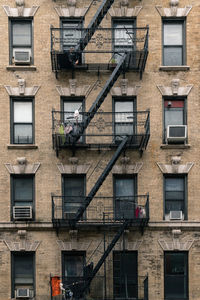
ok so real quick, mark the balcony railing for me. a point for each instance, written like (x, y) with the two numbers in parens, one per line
(111, 42)
(106, 129)
(103, 211)
(97, 289)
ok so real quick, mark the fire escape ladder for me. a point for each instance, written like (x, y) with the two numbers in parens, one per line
(125, 224)
(102, 95)
(99, 182)
(98, 17)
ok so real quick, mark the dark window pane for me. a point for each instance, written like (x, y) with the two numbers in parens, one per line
(23, 190)
(124, 198)
(74, 193)
(73, 265)
(21, 34)
(176, 285)
(125, 275)
(173, 56)
(23, 269)
(174, 184)
(174, 206)
(23, 134)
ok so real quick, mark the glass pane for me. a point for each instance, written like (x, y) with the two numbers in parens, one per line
(71, 36)
(174, 117)
(173, 56)
(72, 107)
(123, 36)
(174, 184)
(23, 134)
(174, 206)
(22, 112)
(23, 269)
(121, 111)
(124, 129)
(74, 186)
(125, 275)
(21, 34)
(124, 198)
(73, 265)
(175, 287)
(23, 189)
(124, 187)
(176, 275)
(173, 34)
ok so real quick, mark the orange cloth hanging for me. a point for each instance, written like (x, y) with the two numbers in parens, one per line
(55, 285)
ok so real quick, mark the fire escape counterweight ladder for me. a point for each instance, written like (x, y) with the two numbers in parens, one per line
(100, 181)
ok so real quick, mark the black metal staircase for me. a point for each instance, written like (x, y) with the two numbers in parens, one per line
(99, 182)
(95, 22)
(103, 257)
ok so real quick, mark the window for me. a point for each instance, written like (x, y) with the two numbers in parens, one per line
(173, 43)
(124, 118)
(73, 268)
(72, 117)
(74, 192)
(23, 271)
(175, 197)
(71, 34)
(125, 275)
(174, 114)
(124, 197)
(22, 121)
(22, 193)
(21, 48)
(123, 36)
(176, 275)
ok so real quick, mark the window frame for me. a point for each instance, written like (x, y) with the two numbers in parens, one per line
(184, 53)
(124, 99)
(114, 274)
(121, 20)
(184, 176)
(72, 20)
(121, 176)
(72, 253)
(19, 253)
(186, 256)
(63, 178)
(22, 20)
(12, 123)
(171, 99)
(12, 192)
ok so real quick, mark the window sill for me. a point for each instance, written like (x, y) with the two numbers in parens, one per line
(22, 146)
(21, 68)
(175, 146)
(174, 68)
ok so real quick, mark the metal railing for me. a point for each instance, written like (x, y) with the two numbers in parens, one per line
(112, 42)
(106, 128)
(103, 210)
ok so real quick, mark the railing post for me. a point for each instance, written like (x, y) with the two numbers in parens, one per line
(52, 216)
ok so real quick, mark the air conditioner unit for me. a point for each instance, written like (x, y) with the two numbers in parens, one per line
(176, 133)
(22, 56)
(22, 293)
(22, 212)
(176, 215)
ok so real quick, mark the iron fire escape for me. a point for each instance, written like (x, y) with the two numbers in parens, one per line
(71, 56)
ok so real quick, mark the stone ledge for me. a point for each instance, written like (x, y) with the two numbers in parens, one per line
(22, 146)
(175, 146)
(174, 224)
(174, 68)
(21, 68)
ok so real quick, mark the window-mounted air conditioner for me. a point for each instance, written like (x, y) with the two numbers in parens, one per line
(176, 133)
(23, 293)
(176, 215)
(22, 56)
(22, 212)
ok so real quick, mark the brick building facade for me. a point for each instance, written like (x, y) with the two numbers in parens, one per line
(99, 149)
